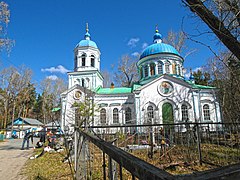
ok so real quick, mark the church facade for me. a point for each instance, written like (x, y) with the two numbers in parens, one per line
(161, 96)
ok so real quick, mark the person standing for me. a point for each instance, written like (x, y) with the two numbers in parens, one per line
(43, 135)
(26, 138)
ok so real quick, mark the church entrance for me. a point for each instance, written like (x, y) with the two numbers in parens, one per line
(167, 116)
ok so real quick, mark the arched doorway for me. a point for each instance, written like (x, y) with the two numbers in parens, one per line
(167, 113)
(167, 116)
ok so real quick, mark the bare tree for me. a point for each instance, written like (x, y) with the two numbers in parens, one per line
(177, 40)
(107, 78)
(25, 101)
(13, 81)
(51, 90)
(126, 71)
(222, 17)
(5, 42)
(225, 75)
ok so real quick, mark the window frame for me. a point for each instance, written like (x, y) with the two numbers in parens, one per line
(167, 68)
(206, 112)
(103, 116)
(128, 115)
(152, 69)
(146, 71)
(150, 113)
(160, 68)
(115, 116)
(92, 61)
(83, 58)
(185, 113)
(83, 82)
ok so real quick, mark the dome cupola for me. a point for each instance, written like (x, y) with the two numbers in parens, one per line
(87, 40)
(158, 47)
(158, 59)
(157, 38)
(191, 77)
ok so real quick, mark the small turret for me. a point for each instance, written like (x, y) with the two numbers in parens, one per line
(157, 38)
(191, 77)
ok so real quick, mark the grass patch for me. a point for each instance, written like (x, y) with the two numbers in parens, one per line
(49, 166)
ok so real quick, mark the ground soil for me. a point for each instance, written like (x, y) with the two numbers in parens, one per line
(12, 159)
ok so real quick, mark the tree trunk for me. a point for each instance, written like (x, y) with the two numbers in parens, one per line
(5, 114)
(215, 25)
(13, 112)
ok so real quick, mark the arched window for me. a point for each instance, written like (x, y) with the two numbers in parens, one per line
(206, 112)
(160, 68)
(174, 68)
(115, 115)
(84, 60)
(146, 71)
(141, 72)
(152, 69)
(77, 81)
(92, 61)
(103, 116)
(87, 83)
(184, 113)
(83, 83)
(128, 115)
(179, 70)
(167, 68)
(150, 114)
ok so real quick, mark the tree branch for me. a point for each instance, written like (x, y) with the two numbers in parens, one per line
(215, 25)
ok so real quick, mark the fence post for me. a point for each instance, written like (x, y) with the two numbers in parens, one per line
(110, 174)
(120, 171)
(112, 169)
(199, 144)
(75, 149)
(104, 167)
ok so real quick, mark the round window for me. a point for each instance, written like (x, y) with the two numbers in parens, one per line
(77, 94)
(165, 88)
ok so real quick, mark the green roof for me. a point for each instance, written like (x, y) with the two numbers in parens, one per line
(148, 79)
(136, 86)
(197, 86)
(115, 90)
(56, 109)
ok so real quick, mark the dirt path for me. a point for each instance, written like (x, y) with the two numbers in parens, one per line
(12, 159)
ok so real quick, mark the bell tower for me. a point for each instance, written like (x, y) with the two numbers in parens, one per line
(86, 64)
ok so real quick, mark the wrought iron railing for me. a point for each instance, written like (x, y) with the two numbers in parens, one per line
(148, 151)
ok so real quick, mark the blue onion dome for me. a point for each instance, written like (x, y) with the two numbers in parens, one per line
(157, 36)
(87, 41)
(191, 77)
(158, 47)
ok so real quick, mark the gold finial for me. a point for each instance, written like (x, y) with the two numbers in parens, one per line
(87, 27)
(156, 27)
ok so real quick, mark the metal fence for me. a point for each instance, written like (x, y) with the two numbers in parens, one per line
(176, 148)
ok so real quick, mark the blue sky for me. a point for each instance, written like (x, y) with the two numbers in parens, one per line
(47, 31)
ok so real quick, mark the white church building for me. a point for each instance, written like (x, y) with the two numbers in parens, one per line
(162, 95)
